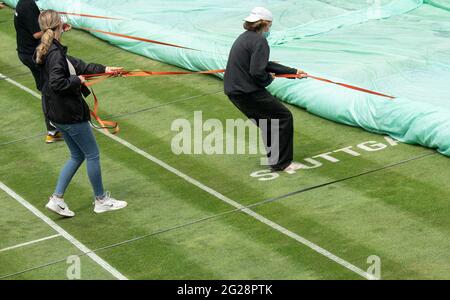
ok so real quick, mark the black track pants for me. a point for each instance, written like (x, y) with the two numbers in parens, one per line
(278, 135)
(27, 60)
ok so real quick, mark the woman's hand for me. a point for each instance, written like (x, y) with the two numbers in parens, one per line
(302, 73)
(273, 75)
(117, 71)
(66, 27)
(82, 79)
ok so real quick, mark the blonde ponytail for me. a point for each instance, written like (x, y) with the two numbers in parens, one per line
(49, 21)
(44, 46)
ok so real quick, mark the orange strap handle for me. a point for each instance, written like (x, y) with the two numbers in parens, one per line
(107, 126)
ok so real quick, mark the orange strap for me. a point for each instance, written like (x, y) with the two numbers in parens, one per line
(338, 83)
(119, 34)
(86, 15)
(97, 78)
(135, 38)
(107, 126)
(113, 127)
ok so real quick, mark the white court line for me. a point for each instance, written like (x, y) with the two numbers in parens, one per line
(227, 200)
(29, 91)
(63, 233)
(239, 206)
(30, 243)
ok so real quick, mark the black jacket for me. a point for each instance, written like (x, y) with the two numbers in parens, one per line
(62, 93)
(248, 69)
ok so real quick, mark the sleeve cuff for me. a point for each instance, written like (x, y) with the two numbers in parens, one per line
(75, 82)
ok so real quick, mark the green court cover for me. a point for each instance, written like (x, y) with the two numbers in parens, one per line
(396, 47)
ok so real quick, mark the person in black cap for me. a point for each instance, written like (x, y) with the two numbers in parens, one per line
(28, 38)
(247, 75)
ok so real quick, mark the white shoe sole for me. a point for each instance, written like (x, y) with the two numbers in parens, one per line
(101, 209)
(293, 168)
(57, 210)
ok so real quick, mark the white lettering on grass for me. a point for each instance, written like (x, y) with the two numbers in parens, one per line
(311, 163)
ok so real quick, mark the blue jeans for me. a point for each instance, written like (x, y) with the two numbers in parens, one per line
(82, 145)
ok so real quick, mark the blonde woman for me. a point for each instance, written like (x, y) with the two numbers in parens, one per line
(247, 75)
(62, 89)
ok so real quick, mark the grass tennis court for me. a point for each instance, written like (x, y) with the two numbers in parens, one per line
(180, 223)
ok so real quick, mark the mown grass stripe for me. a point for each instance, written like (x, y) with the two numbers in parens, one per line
(63, 233)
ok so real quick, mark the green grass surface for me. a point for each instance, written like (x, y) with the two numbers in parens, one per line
(400, 214)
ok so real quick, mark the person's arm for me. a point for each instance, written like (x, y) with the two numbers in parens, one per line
(58, 80)
(277, 68)
(258, 63)
(83, 68)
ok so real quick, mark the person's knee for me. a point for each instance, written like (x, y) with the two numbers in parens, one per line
(286, 122)
(77, 158)
(93, 156)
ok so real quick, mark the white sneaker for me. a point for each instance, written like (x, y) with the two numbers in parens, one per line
(58, 206)
(294, 166)
(108, 204)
